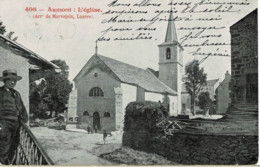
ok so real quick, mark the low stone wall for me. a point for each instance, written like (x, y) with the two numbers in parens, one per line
(191, 149)
(146, 128)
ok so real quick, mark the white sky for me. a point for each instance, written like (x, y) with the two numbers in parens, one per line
(44, 36)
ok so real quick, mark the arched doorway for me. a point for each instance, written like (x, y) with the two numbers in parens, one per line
(96, 120)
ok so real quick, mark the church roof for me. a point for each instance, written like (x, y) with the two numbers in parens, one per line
(136, 76)
(171, 34)
(133, 75)
(156, 73)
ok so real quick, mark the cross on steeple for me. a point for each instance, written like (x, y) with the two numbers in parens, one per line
(171, 6)
(96, 48)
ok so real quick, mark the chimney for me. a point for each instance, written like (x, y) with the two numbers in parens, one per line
(227, 75)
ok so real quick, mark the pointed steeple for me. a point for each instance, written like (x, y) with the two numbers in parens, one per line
(171, 34)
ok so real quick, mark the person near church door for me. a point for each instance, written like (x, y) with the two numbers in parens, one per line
(96, 128)
(104, 136)
(12, 111)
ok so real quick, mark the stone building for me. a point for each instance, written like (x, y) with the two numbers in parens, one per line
(28, 64)
(185, 101)
(105, 86)
(223, 99)
(211, 87)
(244, 61)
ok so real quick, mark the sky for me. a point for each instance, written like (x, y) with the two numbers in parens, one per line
(73, 40)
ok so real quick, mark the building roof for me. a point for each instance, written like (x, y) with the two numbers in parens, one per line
(133, 75)
(34, 59)
(155, 73)
(212, 82)
(226, 79)
(237, 22)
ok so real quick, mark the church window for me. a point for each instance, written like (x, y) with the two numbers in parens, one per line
(106, 114)
(168, 53)
(85, 113)
(96, 92)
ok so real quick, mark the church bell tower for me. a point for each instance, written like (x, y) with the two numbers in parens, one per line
(171, 60)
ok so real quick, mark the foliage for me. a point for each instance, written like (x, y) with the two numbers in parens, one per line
(194, 80)
(10, 35)
(52, 93)
(140, 125)
(58, 87)
(129, 156)
(37, 105)
(144, 115)
(3, 31)
(2, 28)
(147, 123)
(204, 100)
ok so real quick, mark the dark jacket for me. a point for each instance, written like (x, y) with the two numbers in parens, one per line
(12, 107)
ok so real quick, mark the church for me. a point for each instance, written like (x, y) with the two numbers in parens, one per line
(105, 86)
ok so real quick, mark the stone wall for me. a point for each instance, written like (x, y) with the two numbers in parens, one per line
(222, 95)
(198, 149)
(244, 59)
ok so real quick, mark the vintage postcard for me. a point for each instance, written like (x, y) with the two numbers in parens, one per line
(129, 82)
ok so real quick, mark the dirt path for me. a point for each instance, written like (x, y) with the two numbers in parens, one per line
(75, 148)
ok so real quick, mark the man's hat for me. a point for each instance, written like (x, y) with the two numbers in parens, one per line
(10, 74)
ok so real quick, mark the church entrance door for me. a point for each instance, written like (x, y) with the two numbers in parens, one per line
(96, 120)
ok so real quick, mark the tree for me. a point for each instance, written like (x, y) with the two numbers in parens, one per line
(37, 105)
(52, 93)
(58, 87)
(10, 35)
(2, 28)
(204, 101)
(3, 31)
(194, 80)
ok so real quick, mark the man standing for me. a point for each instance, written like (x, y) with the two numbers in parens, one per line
(104, 136)
(95, 128)
(12, 111)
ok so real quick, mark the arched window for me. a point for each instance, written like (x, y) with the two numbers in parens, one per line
(106, 114)
(95, 92)
(85, 113)
(168, 53)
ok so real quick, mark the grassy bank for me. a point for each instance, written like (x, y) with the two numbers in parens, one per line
(129, 156)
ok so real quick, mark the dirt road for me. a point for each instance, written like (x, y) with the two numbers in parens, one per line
(74, 148)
